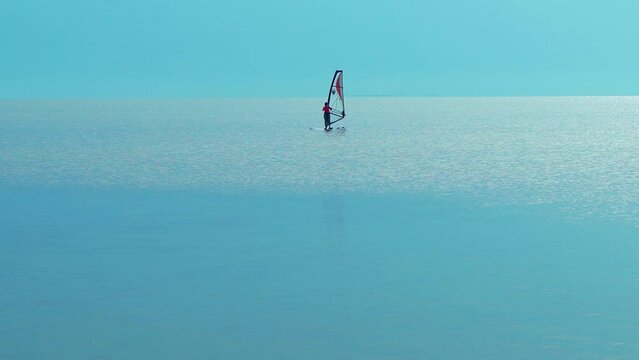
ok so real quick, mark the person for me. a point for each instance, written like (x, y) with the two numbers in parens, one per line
(327, 116)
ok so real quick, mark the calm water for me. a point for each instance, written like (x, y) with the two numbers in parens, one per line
(441, 228)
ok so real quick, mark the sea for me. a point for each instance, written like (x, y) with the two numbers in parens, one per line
(431, 228)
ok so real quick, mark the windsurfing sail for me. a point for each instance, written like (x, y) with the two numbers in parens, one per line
(336, 96)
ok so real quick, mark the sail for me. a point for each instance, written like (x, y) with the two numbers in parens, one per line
(336, 97)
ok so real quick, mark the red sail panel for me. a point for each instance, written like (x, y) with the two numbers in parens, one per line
(338, 85)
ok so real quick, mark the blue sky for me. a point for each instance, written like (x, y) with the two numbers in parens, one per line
(188, 48)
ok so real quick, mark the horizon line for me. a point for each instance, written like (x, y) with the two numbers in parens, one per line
(295, 97)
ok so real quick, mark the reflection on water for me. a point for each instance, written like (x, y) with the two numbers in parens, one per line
(333, 212)
(579, 153)
(147, 274)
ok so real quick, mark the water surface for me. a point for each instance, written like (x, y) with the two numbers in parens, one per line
(444, 228)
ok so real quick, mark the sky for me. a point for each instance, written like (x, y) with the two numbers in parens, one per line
(290, 48)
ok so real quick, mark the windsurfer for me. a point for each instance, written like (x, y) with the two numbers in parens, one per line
(327, 116)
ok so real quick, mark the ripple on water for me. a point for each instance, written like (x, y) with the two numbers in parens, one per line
(580, 153)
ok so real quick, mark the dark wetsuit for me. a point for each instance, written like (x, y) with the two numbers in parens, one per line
(327, 116)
